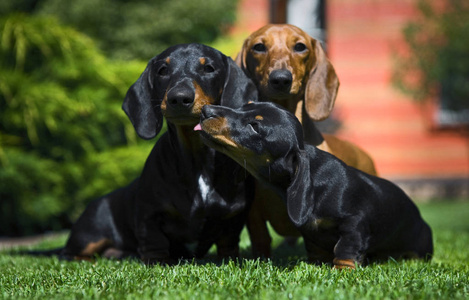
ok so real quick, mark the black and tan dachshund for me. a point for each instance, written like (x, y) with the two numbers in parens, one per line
(187, 194)
(346, 216)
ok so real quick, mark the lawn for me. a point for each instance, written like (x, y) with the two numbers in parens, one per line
(287, 276)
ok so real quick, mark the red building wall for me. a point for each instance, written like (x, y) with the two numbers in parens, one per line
(389, 125)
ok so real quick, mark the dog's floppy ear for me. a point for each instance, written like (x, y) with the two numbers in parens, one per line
(241, 57)
(300, 193)
(322, 86)
(238, 89)
(139, 105)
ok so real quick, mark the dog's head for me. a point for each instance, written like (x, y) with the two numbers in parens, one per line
(178, 82)
(287, 66)
(261, 136)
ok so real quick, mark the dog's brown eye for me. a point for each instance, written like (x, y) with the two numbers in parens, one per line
(163, 71)
(300, 47)
(208, 69)
(259, 47)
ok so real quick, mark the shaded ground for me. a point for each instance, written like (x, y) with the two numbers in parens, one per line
(8, 243)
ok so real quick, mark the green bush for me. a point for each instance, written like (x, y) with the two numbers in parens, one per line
(437, 62)
(60, 116)
(64, 139)
(138, 28)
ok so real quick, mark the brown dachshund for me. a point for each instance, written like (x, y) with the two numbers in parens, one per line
(290, 68)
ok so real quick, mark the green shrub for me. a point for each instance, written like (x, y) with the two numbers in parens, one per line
(437, 62)
(139, 29)
(60, 114)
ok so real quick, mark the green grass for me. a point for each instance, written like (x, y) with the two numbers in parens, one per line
(287, 276)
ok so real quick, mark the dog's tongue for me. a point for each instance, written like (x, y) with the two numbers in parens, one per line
(197, 127)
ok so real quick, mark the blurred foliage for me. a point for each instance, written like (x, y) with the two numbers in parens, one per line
(64, 139)
(63, 136)
(230, 44)
(437, 61)
(129, 29)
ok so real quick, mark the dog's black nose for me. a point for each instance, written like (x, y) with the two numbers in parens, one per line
(208, 111)
(181, 97)
(280, 80)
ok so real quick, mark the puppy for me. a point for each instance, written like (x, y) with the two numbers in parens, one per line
(346, 217)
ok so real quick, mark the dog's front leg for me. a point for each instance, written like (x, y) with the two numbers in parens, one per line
(350, 249)
(228, 247)
(228, 243)
(153, 245)
(259, 234)
(316, 254)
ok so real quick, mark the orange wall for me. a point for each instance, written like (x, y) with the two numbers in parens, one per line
(387, 124)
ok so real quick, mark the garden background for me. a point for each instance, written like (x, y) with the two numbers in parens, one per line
(65, 67)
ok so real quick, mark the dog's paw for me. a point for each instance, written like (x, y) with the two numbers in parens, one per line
(159, 261)
(348, 264)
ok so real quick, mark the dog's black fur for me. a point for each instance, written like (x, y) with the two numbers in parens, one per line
(187, 192)
(345, 216)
